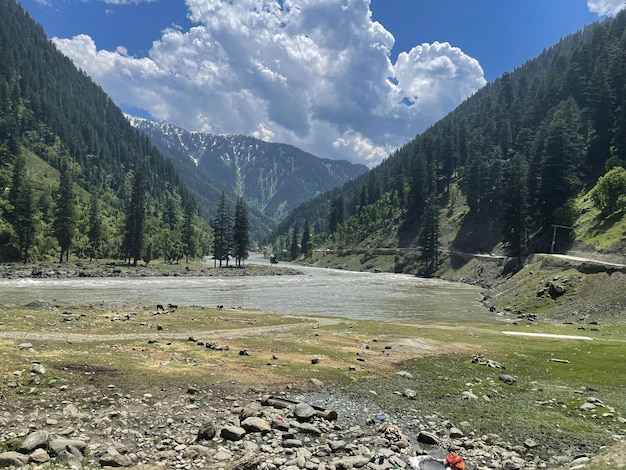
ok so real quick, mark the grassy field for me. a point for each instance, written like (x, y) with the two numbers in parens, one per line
(138, 351)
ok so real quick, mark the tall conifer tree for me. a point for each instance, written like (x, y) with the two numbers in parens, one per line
(241, 232)
(65, 215)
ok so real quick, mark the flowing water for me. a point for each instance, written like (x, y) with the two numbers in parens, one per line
(370, 296)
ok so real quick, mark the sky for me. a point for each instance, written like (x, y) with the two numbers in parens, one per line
(341, 79)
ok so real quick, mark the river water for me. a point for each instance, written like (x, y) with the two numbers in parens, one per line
(370, 296)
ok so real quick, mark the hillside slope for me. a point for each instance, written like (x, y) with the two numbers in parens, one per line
(499, 172)
(69, 161)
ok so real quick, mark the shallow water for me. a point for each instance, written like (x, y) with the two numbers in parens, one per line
(373, 296)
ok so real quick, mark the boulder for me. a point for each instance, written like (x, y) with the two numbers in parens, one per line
(206, 432)
(232, 433)
(113, 458)
(256, 424)
(35, 440)
(12, 458)
(304, 411)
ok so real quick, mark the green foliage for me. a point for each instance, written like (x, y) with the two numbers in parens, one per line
(609, 194)
(66, 151)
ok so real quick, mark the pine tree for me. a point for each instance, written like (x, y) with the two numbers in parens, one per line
(134, 237)
(22, 216)
(95, 228)
(241, 232)
(294, 249)
(429, 235)
(561, 160)
(223, 232)
(335, 215)
(188, 238)
(515, 217)
(64, 224)
(305, 243)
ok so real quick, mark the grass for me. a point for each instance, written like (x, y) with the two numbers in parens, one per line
(544, 404)
(358, 356)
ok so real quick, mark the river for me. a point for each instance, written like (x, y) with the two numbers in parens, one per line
(370, 296)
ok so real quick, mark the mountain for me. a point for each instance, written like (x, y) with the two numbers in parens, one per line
(272, 178)
(70, 163)
(509, 170)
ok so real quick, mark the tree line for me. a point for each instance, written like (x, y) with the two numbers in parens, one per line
(42, 219)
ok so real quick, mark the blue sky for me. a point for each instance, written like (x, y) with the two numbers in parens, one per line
(350, 79)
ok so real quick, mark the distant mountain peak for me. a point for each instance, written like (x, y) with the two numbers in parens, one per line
(272, 178)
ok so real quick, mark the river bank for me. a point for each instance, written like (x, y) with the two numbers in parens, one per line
(88, 269)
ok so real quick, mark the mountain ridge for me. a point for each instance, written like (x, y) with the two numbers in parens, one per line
(273, 178)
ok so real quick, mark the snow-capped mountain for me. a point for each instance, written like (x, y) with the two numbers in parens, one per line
(272, 178)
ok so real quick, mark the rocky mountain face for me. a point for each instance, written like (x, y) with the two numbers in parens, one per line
(272, 178)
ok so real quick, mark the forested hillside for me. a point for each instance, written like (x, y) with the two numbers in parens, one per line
(500, 171)
(76, 178)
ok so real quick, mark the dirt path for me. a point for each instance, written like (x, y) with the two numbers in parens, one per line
(275, 330)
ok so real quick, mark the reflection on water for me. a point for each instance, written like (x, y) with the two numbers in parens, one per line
(387, 297)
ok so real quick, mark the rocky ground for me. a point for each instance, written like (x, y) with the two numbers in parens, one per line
(314, 427)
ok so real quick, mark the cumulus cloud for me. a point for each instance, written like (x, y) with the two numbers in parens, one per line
(605, 7)
(312, 73)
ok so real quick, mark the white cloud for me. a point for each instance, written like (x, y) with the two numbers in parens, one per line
(605, 7)
(312, 73)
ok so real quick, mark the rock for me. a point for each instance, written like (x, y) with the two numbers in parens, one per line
(315, 360)
(71, 457)
(579, 461)
(304, 411)
(206, 432)
(12, 458)
(356, 461)
(513, 463)
(37, 368)
(428, 438)
(530, 443)
(232, 433)
(482, 361)
(508, 379)
(292, 443)
(253, 409)
(25, 346)
(255, 424)
(196, 451)
(317, 382)
(113, 458)
(58, 445)
(308, 428)
(469, 395)
(588, 407)
(409, 393)
(455, 433)
(39, 456)
(405, 374)
(35, 440)
(336, 446)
